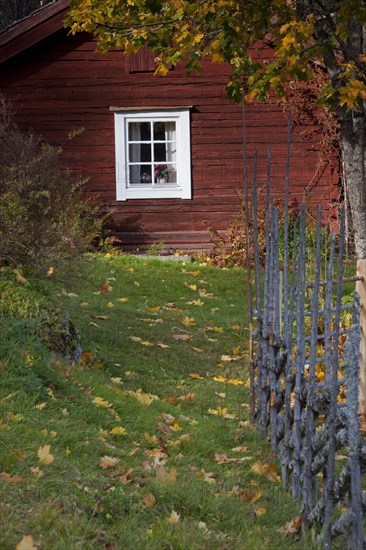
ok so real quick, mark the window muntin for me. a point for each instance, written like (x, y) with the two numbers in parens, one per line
(153, 154)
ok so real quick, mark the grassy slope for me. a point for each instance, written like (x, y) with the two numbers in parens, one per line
(165, 463)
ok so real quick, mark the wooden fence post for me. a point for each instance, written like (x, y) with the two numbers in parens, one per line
(361, 289)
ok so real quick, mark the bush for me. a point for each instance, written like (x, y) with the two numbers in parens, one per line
(44, 219)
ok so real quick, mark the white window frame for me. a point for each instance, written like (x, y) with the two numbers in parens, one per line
(179, 190)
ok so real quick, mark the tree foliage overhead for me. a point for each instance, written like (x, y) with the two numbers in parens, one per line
(236, 31)
(267, 43)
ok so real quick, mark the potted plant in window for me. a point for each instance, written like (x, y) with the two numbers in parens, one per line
(161, 173)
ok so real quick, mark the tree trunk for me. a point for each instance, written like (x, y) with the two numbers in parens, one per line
(353, 136)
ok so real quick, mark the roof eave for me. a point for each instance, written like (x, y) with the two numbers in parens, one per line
(33, 29)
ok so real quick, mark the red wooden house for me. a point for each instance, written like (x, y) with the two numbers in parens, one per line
(164, 154)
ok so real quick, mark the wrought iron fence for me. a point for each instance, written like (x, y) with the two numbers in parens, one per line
(304, 378)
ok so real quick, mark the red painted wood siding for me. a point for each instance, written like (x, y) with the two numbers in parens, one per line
(63, 84)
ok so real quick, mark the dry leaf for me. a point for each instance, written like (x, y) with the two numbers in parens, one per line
(196, 376)
(292, 527)
(36, 471)
(19, 277)
(260, 511)
(240, 449)
(164, 476)
(12, 479)
(44, 455)
(149, 500)
(173, 519)
(27, 543)
(182, 337)
(108, 462)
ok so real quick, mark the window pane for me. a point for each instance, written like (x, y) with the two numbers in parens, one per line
(140, 175)
(164, 131)
(172, 173)
(165, 173)
(139, 131)
(159, 152)
(171, 152)
(139, 152)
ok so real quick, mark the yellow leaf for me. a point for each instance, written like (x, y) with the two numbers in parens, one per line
(110, 304)
(122, 299)
(188, 322)
(108, 462)
(50, 271)
(27, 543)
(118, 430)
(101, 403)
(44, 455)
(196, 376)
(192, 287)
(40, 406)
(144, 398)
(260, 511)
(173, 519)
(149, 500)
(220, 378)
(162, 346)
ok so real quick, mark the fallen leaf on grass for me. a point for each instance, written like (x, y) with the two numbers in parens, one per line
(118, 430)
(108, 462)
(19, 277)
(36, 471)
(221, 411)
(165, 476)
(182, 439)
(187, 397)
(117, 380)
(267, 470)
(44, 455)
(222, 458)
(12, 479)
(162, 346)
(196, 376)
(173, 519)
(122, 299)
(151, 438)
(240, 449)
(292, 527)
(27, 543)
(182, 337)
(198, 350)
(142, 397)
(149, 500)
(188, 322)
(101, 403)
(40, 406)
(260, 511)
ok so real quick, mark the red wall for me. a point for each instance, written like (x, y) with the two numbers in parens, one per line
(62, 84)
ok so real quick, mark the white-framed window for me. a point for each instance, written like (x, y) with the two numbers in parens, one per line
(153, 154)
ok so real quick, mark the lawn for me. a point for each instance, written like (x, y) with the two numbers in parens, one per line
(145, 443)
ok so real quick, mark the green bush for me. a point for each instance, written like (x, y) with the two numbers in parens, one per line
(44, 219)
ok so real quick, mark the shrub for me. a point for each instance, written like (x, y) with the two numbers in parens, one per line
(44, 219)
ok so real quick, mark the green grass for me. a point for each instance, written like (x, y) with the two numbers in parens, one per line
(74, 503)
